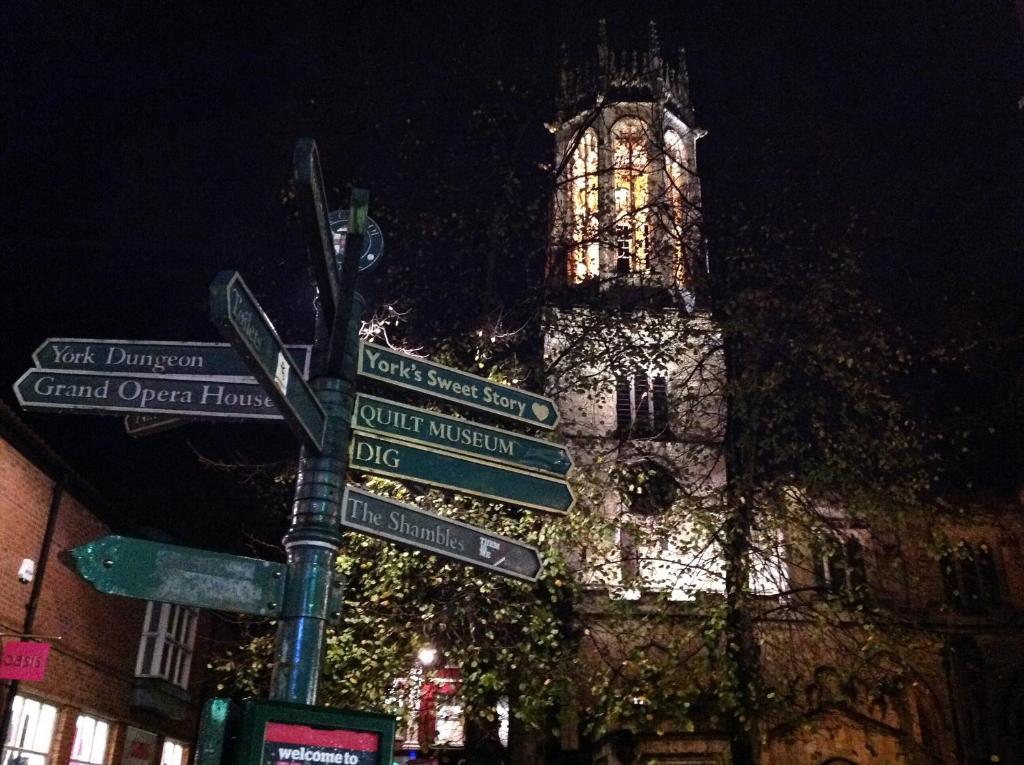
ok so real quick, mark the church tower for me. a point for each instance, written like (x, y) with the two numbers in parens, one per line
(633, 356)
(634, 360)
(627, 210)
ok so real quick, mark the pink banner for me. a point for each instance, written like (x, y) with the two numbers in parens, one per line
(23, 660)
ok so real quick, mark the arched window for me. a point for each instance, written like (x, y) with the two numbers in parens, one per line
(675, 182)
(584, 258)
(632, 204)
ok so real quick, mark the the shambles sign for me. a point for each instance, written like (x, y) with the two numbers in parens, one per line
(407, 525)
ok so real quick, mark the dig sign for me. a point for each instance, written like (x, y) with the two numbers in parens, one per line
(23, 660)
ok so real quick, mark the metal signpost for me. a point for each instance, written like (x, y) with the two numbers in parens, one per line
(257, 377)
(407, 525)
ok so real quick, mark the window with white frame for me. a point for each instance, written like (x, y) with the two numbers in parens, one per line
(172, 753)
(839, 569)
(969, 576)
(165, 650)
(30, 732)
(641, 405)
(91, 736)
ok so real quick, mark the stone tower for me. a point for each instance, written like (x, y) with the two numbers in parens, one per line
(633, 354)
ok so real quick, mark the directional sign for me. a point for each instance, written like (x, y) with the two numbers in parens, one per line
(150, 357)
(382, 417)
(138, 425)
(408, 525)
(54, 390)
(447, 470)
(247, 328)
(309, 187)
(396, 368)
(137, 568)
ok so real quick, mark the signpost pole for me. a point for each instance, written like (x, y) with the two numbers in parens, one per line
(314, 535)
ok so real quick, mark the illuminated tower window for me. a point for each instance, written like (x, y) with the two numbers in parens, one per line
(585, 259)
(632, 213)
(675, 180)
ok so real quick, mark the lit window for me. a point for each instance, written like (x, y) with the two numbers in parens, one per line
(165, 650)
(675, 179)
(173, 753)
(90, 747)
(585, 256)
(432, 716)
(969, 576)
(839, 570)
(629, 150)
(30, 733)
(641, 405)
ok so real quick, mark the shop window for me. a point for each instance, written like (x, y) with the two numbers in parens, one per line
(432, 715)
(30, 733)
(173, 753)
(969, 576)
(839, 570)
(165, 650)
(641, 405)
(91, 736)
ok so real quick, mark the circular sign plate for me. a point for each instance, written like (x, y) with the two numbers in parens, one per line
(373, 242)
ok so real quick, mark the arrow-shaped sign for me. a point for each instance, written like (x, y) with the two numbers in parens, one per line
(447, 470)
(388, 418)
(408, 525)
(55, 390)
(377, 362)
(243, 324)
(209, 360)
(137, 568)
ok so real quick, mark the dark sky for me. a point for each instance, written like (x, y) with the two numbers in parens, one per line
(145, 148)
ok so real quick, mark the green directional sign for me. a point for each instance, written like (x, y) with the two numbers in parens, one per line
(51, 390)
(398, 522)
(139, 425)
(395, 368)
(150, 357)
(388, 418)
(403, 460)
(137, 568)
(247, 328)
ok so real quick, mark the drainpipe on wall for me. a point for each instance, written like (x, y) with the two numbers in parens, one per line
(37, 589)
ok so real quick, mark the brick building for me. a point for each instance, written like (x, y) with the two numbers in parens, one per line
(125, 679)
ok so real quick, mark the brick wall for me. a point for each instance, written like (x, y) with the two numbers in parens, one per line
(92, 666)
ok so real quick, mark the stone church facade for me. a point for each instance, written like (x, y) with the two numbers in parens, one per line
(637, 364)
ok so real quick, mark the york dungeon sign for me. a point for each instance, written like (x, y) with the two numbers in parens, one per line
(289, 744)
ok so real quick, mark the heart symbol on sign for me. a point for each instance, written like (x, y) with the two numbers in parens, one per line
(540, 411)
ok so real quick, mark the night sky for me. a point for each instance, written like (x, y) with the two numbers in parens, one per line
(145, 149)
